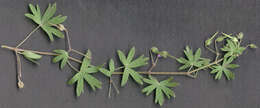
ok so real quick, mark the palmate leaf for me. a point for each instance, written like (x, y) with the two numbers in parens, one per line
(192, 60)
(161, 88)
(85, 75)
(62, 57)
(218, 70)
(109, 72)
(129, 64)
(232, 48)
(46, 21)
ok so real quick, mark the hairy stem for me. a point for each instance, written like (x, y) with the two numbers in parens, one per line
(28, 36)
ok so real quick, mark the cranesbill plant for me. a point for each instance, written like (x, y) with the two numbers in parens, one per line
(220, 66)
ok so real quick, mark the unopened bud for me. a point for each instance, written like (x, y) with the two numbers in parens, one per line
(220, 39)
(240, 35)
(208, 42)
(164, 54)
(155, 50)
(252, 46)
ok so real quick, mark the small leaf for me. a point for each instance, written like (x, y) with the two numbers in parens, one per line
(111, 65)
(31, 55)
(62, 57)
(193, 60)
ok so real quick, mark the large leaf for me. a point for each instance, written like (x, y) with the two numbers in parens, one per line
(130, 64)
(85, 75)
(193, 60)
(160, 88)
(47, 21)
(218, 70)
(232, 49)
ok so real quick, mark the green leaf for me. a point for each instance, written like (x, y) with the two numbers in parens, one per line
(232, 49)
(111, 65)
(192, 60)
(224, 68)
(80, 87)
(85, 75)
(62, 57)
(130, 64)
(47, 22)
(122, 57)
(31, 56)
(131, 54)
(125, 76)
(109, 72)
(160, 88)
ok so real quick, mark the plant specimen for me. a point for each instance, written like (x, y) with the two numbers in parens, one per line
(230, 49)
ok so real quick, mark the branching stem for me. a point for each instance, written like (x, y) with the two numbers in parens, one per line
(147, 72)
(28, 36)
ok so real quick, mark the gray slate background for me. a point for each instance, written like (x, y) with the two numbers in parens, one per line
(107, 25)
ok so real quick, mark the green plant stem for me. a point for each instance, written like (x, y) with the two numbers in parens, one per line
(38, 52)
(19, 69)
(116, 73)
(210, 49)
(172, 57)
(72, 67)
(28, 36)
(206, 66)
(217, 52)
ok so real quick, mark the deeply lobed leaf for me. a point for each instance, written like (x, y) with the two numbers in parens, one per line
(160, 88)
(193, 60)
(62, 57)
(129, 64)
(47, 21)
(85, 75)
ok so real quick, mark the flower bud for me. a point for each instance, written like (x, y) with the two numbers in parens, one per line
(252, 46)
(155, 50)
(164, 54)
(240, 35)
(220, 39)
(208, 42)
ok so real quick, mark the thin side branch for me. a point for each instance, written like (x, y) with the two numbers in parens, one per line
(28, 36)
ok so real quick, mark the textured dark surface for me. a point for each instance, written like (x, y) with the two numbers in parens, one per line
(107, 25)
